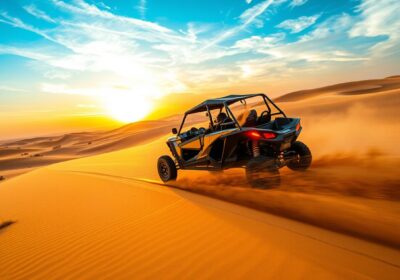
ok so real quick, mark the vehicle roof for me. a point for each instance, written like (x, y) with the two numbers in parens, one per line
(217, 103)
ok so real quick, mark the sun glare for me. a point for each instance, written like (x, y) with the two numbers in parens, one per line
(127, 107)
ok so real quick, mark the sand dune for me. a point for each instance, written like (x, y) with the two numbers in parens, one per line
(351, 88)
(75, 225)
(27, 154)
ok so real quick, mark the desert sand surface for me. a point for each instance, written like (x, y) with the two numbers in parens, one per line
(106, 216)
(78, 225)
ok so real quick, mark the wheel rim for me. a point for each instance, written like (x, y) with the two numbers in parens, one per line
(297, 159)
(301, 161)
(164, 170)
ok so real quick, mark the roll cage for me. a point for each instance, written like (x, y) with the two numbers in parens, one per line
(225, 102)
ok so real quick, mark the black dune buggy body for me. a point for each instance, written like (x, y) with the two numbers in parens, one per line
(248, 131)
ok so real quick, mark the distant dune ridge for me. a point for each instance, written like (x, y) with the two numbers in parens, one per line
(350, 88)
(24, 155)
(107, 216)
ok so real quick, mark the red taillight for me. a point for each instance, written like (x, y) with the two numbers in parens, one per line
(269, 135)
(298, 126)
(255, 135)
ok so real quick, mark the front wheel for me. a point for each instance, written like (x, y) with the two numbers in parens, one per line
(303, 157)
(262, 173)
(166, 169)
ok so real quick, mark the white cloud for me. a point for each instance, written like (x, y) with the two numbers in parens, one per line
(330, 28)
(101, 45)
(296, 3)
(101, 4)
(247, 18)
(262, 68)
(16, 22)
(83, 8)
(28, 53)
(251, 14)
(142, 8)
(57, 75)
(248, 1)
(257, 42)
(328, 42)
(4, 88)
(102, 41)
(34, 11)
(379, 18)
(299, 24)
(323, 48)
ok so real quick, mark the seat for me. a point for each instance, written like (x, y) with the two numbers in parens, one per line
(224, 122)
(264, 118)
(251, 119)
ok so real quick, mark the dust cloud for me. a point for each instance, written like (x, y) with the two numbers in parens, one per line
(354, 145)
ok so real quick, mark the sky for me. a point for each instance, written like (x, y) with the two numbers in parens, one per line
(81, 63)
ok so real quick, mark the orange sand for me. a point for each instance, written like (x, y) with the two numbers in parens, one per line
(73, 225)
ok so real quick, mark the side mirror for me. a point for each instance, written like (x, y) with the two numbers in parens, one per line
(174, 131)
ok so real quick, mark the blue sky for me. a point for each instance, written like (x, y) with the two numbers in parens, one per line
(151, 48)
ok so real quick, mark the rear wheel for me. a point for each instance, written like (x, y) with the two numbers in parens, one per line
(262, 173)
(166, 169)
(303, 157)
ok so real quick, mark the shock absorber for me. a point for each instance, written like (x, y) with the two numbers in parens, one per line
(255, 148)
(281, 159)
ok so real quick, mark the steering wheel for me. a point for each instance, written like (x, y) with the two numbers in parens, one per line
(192, 131)
(267, 116)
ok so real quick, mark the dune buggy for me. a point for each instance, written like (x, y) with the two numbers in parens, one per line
(237, 131)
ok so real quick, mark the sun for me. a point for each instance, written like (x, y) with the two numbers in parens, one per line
(127, 107)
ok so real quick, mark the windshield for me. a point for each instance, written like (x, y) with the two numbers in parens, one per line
(195, 122)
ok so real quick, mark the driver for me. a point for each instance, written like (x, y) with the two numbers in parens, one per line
(222, 118)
